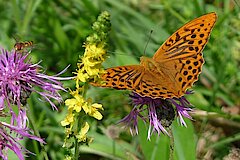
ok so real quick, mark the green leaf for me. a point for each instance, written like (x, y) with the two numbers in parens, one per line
(106, 147)
(155, 149)
(184, 141)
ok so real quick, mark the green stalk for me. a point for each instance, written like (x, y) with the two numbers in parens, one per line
(79, 120)
(76, 151)
(114, 147)
(171, 145)
(36, 132)
(17, 13)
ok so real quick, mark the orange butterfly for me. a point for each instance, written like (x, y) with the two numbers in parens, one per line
(174, 67)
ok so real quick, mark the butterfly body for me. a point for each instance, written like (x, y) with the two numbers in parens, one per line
(174, 67)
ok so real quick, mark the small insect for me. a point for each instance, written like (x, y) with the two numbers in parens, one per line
(19, 46)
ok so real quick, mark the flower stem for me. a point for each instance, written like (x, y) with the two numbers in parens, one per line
(76, 152)
(154, 151)
(114, 147)
(171, 145)
(32, 121)
(78, 127)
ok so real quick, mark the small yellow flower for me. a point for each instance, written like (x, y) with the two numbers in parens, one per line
(68, 131)
(68, 119)
(94, 111)
(75, 103)
(97, 52)
(68, 158)
(82, 136)
(81, 76)
(86, 107)
(90, 66)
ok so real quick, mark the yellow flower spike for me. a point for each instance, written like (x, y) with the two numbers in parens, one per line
(89, 69)
(82, 136)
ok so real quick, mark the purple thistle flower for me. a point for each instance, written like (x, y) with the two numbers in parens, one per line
(9, 142)
(131, 119)
(18, 79)
(159, 113)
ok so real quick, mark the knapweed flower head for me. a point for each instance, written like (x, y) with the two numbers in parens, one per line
(89, 70)
(159, 113)
(19, 77)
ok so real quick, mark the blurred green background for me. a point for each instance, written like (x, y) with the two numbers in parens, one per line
(59, 28)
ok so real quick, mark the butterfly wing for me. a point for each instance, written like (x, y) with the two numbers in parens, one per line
(187, 41)
(180, 57)
(181, 74)
(156, 85)
(139, 80)
(122, 77)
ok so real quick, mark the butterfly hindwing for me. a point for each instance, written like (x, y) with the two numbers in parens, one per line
(155, 85)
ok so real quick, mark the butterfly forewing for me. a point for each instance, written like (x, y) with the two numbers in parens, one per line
(154, 84)
(181, 73)
(122, 77)
(181, 55)
(188, 40)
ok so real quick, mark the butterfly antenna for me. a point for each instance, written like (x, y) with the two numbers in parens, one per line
(150, 34)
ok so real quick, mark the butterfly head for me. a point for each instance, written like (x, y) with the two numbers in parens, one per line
(148, 63)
